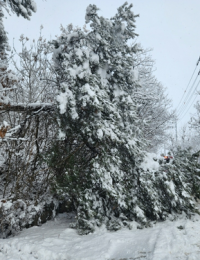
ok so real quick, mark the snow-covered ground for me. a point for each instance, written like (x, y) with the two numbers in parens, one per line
(169, 240)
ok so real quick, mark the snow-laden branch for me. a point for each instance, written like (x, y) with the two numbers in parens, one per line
(20, 107)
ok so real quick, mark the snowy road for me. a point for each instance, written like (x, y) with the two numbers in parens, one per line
(55, 241)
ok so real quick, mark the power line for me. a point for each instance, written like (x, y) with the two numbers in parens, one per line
(191, 95)
(188, 83)
(188, 98)
(178, 109)
(191, 103)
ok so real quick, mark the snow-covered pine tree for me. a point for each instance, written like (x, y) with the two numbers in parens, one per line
(21, 7)
(102, 145)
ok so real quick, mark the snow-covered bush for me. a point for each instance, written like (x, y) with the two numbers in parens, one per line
(187, 165)
(168, 189)
(18, 214)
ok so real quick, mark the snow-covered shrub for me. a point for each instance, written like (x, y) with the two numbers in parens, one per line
(18, 214)
(187, 165)
(168, 189)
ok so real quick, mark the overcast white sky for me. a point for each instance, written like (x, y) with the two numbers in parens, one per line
(170, 27)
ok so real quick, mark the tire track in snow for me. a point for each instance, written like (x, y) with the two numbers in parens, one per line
(153, 241)
(172, 243)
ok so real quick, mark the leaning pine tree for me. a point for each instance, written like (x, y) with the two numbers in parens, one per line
(96, 161)
(102, 143)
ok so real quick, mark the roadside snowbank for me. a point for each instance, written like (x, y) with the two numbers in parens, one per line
(54, 240)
